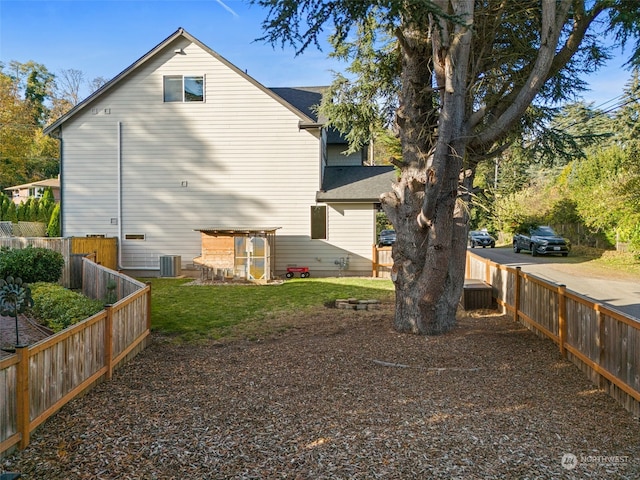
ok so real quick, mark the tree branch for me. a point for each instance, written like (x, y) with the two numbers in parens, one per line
(553, 20)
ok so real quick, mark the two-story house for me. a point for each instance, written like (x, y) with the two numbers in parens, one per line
(183, 144)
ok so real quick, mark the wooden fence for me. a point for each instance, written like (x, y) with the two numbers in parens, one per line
(39, 379)
(381, 262)
(602, 342)
(103, 251)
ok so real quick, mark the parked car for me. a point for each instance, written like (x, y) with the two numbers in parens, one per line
(541, 241)
(481, 238)
(386, 238)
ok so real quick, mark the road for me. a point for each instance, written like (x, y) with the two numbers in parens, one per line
(621, 293)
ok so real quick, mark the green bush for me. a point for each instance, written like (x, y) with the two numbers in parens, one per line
(31, 264)
(56, 307)
(53, 229)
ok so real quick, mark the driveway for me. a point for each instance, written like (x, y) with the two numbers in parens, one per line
(616, 290)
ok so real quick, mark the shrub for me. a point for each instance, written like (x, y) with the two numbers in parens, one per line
(56, 307)
(53, 229)
(32, 264)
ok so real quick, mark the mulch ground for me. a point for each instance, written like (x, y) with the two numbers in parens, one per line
(343, 396)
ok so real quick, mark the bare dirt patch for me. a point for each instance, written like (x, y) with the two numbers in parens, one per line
(340, 394)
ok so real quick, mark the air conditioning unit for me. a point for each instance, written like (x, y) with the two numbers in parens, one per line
(170, 265)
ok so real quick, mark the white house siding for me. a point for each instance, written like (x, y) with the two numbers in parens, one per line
(350, 233)
(336, 156)
(352, 229)
(238, 159)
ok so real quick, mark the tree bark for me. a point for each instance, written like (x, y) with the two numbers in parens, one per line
(428, 270)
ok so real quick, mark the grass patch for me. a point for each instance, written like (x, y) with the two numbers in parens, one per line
(607, 260)
(199, 312)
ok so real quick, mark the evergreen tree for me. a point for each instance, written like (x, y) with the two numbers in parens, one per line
(4, 205)
(43, 210)
(32, 212)
(47, 195)
(12, 213)
(23, 210)
(53, 229)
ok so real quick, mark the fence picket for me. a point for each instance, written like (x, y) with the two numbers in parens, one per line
(41, 378)
(601, 341)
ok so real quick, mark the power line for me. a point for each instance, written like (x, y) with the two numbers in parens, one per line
(598, 111)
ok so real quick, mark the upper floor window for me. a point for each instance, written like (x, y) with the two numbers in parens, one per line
(179, 88)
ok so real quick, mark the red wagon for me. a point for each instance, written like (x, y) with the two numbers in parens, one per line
(304, 272)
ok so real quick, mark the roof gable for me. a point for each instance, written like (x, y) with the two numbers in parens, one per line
(305, 117)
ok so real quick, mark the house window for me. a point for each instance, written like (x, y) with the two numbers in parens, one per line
(179, 88)
(318, 222)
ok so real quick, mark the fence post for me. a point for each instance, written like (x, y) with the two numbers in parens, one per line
(467, 266)
(149, 307)
(562, 319)
(108, 341)
(22, 396)
(374, 261)
(601, 334)
(487, 271)
(516, 297)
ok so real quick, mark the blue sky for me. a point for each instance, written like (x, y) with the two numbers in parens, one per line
(103, 37)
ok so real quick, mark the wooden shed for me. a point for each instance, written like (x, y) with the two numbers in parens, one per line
(239, 253)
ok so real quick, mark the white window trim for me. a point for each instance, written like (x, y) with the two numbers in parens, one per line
(204, 87)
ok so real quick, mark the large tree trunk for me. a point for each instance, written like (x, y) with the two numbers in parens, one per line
(438, 130)
(425, 206)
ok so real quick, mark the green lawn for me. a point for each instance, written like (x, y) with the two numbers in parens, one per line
(607, 262)
(195, 312)
(200, 312)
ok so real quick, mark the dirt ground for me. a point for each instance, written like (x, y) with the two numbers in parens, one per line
(342, 396)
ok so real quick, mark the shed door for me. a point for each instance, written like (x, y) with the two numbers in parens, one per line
(252, 258)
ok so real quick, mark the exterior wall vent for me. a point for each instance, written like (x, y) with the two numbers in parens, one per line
(170, 265)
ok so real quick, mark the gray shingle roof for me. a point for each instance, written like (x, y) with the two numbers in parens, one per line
(355, 184)
(307, 99)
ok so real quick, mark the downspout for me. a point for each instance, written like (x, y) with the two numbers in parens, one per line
(58, 136)
(119, 162)
(120, 236)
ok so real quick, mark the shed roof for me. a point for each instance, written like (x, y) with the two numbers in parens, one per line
(355, 183)
(228, 230)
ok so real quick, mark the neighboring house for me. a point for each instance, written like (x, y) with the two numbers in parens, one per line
(20, 193)
(184, 144)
